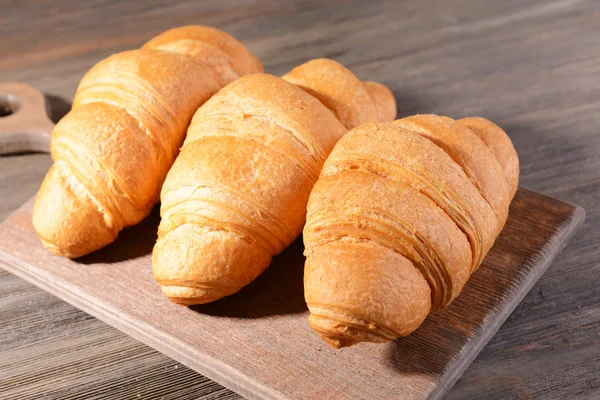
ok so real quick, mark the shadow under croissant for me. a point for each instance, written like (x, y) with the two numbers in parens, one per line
(133, 242)
(59, 107)
(282, 281)
(278, 291)
(422, 352)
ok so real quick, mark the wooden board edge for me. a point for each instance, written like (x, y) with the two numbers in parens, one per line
(210, 368)
(466, 356)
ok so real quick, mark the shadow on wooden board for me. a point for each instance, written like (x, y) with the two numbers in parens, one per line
(282, 280)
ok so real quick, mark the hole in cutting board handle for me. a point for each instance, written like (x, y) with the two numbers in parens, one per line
(8, 105)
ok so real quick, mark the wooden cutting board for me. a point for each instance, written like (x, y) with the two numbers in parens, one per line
(258, 343)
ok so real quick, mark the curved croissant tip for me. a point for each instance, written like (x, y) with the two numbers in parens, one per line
(384, 101)
(339, 334)
(338, 342)
(189, 296)
(62, 203)
(72, 254)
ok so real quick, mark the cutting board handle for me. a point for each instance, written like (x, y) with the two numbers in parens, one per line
(24, 123)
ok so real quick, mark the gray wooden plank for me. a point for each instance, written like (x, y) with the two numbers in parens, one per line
(73, 355)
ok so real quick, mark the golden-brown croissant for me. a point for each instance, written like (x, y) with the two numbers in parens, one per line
(236, 195)
(113, 150)
(400, 217)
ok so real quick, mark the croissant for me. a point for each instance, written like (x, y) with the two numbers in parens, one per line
(130, 113)
(236, 195)
(401, 216)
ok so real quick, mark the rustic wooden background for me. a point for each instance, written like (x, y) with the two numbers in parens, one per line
(531, 66)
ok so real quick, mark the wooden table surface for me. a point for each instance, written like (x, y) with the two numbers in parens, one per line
(531, 66)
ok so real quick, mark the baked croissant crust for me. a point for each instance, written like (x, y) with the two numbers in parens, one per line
(401, 216)
(237, 193)
(130, 113)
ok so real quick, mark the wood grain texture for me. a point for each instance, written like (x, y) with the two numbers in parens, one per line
(532, 67)
(258, 342)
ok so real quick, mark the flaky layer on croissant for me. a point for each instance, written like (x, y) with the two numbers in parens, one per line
(401, 216)
(236, 195)
(113, 150)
